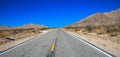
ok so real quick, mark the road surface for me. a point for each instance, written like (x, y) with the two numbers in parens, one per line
(56, 43)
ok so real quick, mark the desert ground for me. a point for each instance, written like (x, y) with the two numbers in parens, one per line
(10, 38)
(105, 41)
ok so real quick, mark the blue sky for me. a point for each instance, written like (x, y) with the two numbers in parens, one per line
(52, 13)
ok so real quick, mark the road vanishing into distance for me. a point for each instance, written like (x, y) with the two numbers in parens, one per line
(56, 43)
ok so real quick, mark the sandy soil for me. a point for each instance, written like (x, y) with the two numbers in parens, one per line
(103, 43)
(16, 42)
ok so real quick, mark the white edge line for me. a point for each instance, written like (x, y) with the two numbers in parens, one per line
(20, 44)
(90, 45)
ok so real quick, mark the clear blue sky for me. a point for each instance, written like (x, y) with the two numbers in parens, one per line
(52, 13)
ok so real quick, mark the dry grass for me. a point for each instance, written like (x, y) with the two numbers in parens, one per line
(112, 32)
(104, 41)
(7, 35)
(100, 30)
(4, 34)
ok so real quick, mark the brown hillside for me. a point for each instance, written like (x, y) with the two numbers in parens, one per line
(100, 19)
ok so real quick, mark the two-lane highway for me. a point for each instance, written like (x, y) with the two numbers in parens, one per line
(58, 43)
(69, 46)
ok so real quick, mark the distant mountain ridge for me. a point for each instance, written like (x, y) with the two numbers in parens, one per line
(25, 26)
(100, 19)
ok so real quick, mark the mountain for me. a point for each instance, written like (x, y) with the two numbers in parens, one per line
(113, 14)
(25, 26)
(4, 28)
(100, 19)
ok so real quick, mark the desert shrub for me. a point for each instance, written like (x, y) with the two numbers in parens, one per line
(43, 28)
(35, 31)
(16, 32)
(113, 29)
(77, 29)
(100, 30)
(38, 31)
(68, 27)
(0, 31)
(4, 34)
(89, 28)
(113, 34)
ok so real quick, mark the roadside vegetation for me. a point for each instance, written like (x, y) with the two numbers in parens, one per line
(112, 32)
(16, 34)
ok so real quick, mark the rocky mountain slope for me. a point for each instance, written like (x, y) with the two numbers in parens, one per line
(100, 19)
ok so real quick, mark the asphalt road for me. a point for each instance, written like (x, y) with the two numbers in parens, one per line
(56, 43)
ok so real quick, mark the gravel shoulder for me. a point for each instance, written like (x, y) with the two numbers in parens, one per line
(105, 44)
(7, 45)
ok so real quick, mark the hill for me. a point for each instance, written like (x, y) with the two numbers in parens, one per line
(100, 19)
(25, 26)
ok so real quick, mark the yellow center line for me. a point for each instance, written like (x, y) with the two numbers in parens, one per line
(53, 44)
(53, 47)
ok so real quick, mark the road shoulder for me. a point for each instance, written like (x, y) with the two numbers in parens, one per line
(108, 46)
(11, 44)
